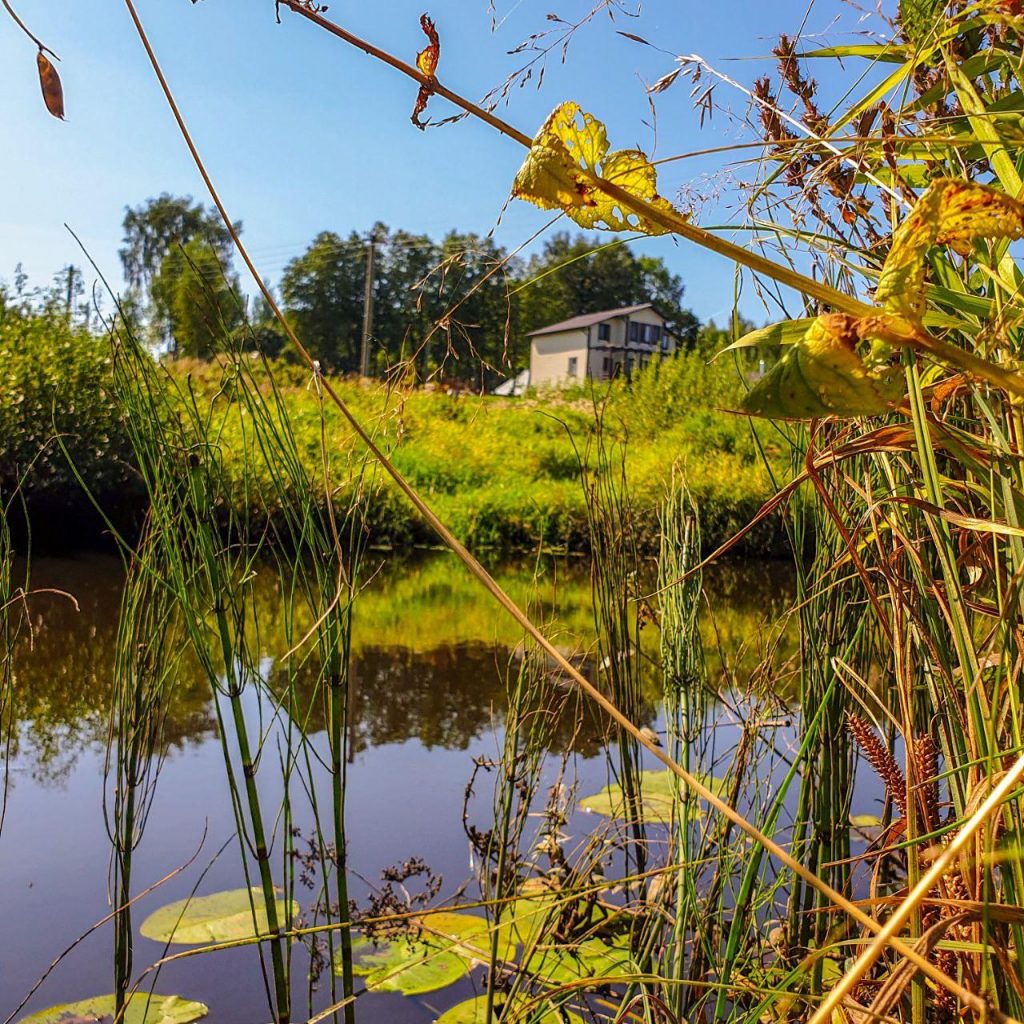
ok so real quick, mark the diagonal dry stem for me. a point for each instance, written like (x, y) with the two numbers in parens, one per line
(490, 584)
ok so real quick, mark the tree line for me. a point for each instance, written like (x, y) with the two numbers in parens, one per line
(462, 303)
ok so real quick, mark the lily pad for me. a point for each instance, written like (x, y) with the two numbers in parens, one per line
(142, 1008)
(466, 935)
(536, 905)
(446, 947)
(474, 1011)
(658, 790)
(220, 917)
(410, 966)
(590, 959)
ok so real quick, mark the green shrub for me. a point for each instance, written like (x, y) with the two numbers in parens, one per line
(56, 411)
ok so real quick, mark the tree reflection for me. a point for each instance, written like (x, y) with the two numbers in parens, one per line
(431, 657)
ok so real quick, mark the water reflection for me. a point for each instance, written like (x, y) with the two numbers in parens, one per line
(431, 653)
(430, 659)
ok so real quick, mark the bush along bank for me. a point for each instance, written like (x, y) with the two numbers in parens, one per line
(505, 474)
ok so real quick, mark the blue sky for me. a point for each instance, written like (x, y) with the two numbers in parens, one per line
(303, 133)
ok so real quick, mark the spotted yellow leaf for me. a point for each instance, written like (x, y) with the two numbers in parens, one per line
(954, 213)
(554, 176)
(822, 375)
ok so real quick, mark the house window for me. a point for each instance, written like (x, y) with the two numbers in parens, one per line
(629, 366)
(654, 333)
(634, 331)
(604, 332)
(664, 342)
(606, 366)
(573, 363)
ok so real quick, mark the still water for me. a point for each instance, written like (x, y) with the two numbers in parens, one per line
(431, 659)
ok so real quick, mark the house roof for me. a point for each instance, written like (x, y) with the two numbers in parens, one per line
(589, 319)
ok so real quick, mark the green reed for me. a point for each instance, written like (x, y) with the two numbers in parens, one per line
(147, 660)
(210, 550)
(12, 597)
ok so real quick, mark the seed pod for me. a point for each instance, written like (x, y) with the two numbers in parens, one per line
(53, 93)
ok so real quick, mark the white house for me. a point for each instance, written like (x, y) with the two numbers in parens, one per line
(599, 345)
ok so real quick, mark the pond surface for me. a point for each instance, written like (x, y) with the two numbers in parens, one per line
(431, 657)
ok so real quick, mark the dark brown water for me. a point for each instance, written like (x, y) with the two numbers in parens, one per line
(431, 655)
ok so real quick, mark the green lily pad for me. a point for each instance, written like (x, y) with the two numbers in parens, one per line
(142, 1008)
(446, 947)
(474, 1011)
(409, 966)
(220, 917)
(590, 959)
(525, 918)
(466, 935)
(658, 789)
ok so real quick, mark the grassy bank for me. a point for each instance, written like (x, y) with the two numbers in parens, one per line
(503, 473)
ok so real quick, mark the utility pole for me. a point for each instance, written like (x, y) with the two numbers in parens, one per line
(364, 355)
(71, 290)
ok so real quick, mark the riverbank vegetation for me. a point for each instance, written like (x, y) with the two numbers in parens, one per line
(504, 473)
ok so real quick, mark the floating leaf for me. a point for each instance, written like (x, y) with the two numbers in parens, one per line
(446, 946)
(536, 904)
(410, 966)
(426, 60)
(954, 213)
(466, 935)
(822, 375)
(519, 1010)
(592, 958)
(142, 1008)
(572, 142)
(658, 790)
(220, 917)
(53, 92)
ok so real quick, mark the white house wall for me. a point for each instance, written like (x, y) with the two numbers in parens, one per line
(550, 355)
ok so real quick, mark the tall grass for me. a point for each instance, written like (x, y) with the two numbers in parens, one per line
(196, 569)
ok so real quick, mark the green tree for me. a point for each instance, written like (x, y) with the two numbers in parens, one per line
(579, 274)
(472, 304)
(444, 305)
(199, 300)
(153, 230)
(322, 292)
(406, 303)
(154, 227)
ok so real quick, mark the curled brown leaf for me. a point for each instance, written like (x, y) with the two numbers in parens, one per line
(426, 60)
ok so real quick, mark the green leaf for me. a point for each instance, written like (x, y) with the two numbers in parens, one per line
(446, 947)
(590, 959)
(220, 917)
(658, 790)
(865, 820)
(142, 1008)
(786, 333)
(520, 1010)
(822, 375)
(919, 20)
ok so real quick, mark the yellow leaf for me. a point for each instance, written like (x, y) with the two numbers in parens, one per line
(822, 375)
(954, 213)
(553, 176)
